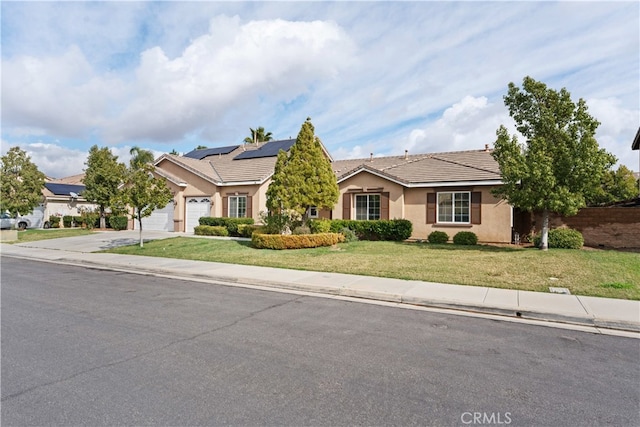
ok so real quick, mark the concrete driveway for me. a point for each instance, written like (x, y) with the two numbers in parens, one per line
(100, 240)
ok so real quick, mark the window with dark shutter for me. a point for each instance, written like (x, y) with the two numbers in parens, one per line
(476, 205)
(346, 206)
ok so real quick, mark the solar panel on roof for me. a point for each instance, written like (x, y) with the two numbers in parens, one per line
(206, 152)
(63, 189)
(270, 149)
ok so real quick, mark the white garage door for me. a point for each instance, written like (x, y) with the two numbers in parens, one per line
(159, 220)
(196, 207)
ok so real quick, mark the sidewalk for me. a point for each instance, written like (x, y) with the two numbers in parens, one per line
(595, 312)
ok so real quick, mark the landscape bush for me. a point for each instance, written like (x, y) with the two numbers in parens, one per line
(320, 226)
(465, 238)
(438, 237)
(303, 229)
(394, 230)
(118, 222)
(292, 241)
(231, 224)
(349, 235)
(54, 222)
(210, 230)
(247, 230)
(66, 221)
(561, 238)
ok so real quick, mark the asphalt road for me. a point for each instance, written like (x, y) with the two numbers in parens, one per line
(91, 347)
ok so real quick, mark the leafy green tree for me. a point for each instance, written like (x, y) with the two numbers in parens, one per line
(103, 177)
(144, 193)
(201, 147)
(616, 186)
(304, 178)
(174, 152)
(258, 135)
(21, 183)
(140, 157)
(560, 163)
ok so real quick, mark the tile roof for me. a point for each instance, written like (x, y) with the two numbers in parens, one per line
(423, 169)
(225, 169)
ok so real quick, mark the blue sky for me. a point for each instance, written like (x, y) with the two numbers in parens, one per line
(375, 77)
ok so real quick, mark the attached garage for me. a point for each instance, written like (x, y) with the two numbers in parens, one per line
(159, 220)
(196, 207)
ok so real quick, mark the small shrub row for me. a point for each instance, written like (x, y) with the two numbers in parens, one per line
(395, 229)
(320, 226)
(561, 238)
(461, 238)
(295, 241)
(210, 230)
(231, 224)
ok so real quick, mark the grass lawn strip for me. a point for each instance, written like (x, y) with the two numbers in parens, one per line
(610, 274)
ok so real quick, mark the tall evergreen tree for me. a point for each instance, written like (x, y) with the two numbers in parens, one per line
(21, 183)
(103, 177)
(305, 178)
(560, 163)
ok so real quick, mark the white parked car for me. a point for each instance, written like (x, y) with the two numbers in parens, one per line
(6, 221)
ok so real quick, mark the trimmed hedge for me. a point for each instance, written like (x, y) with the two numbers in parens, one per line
(465, 238)
(210, 230)
(118, 222)
(279, 241)
(394, 229)
(438, 237)
(561, 238)
(231, 224)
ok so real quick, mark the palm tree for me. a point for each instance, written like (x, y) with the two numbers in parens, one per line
(140, 157)
(258, 135)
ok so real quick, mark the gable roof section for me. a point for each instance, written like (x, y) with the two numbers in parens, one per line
(223, 170)
(427, 170)
(636, 141)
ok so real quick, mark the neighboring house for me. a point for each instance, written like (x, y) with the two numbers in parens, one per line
(227, 181)
(61, 197)
(448, 192)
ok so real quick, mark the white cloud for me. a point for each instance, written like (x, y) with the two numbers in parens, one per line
(53, 160)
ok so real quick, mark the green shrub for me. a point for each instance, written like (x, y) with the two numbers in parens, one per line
(210, 230)
(561, 238)
(246, 230)
(280, 241)
(231, 224)
(118, 222)
(303, 229)
(349, 235)
(438, 237)
(90, 219)
(77, 221)
(465, 238)
(395, 229)
(320, 226)
(54, 221)
(66, 221)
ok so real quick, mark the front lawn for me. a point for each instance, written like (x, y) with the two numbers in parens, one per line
(52, 233)
(600, 273)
